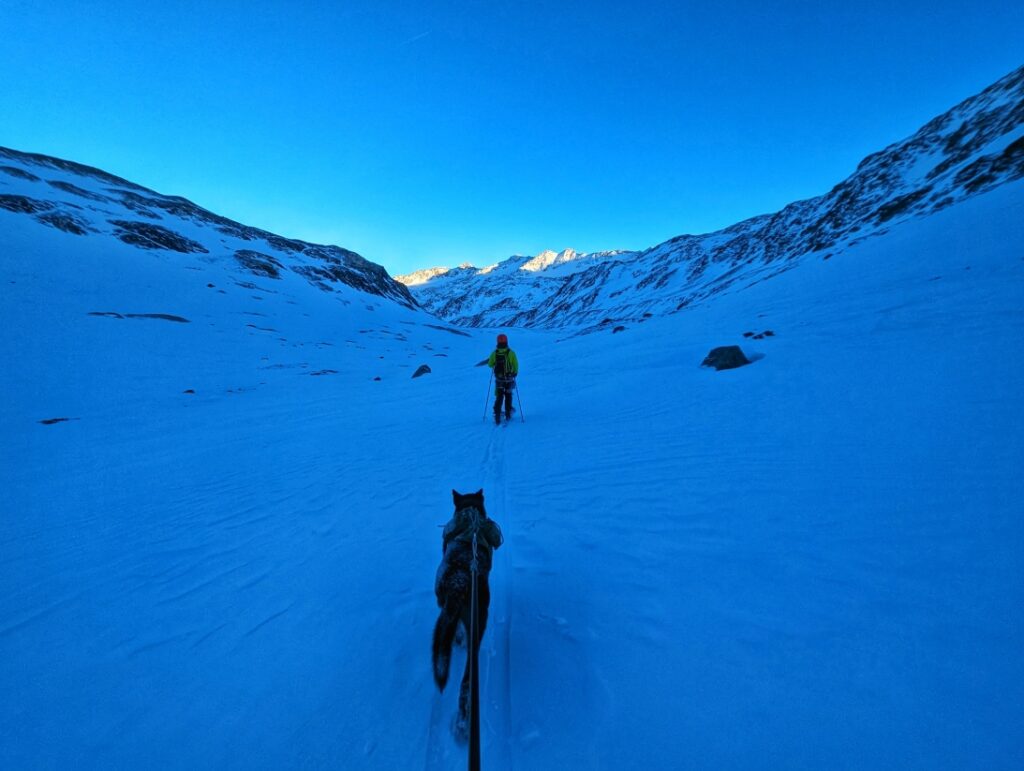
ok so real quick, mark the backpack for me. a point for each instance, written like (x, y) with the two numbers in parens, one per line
(501, 363)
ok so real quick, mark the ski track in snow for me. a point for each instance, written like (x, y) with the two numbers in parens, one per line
(495, 670)
(443, 752)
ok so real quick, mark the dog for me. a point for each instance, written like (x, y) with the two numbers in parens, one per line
(453, 585)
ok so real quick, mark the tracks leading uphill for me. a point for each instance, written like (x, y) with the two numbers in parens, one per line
(496, 661)
(495, 651)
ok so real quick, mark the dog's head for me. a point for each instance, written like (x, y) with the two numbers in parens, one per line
(467, 500)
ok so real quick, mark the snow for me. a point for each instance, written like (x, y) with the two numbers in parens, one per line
(811, 562)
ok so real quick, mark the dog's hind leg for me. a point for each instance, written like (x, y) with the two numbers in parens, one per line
(444, 635)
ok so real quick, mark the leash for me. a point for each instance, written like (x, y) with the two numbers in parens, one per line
(474, 675)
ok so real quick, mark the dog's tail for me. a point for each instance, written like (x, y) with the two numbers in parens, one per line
(456, 599)
(444, 634)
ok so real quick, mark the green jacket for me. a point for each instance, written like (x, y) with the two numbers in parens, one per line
(512, 363)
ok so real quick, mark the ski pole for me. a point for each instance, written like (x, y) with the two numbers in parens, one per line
(522, 415)
(487, 397)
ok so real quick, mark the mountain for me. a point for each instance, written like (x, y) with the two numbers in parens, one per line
(971, 149)
(88, 202)
(512, 288)
(422, 276)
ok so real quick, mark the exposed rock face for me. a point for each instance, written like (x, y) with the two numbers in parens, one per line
(423, 369)
(82, 200)
(46, 213)
(725, 357)
(23, 204)
(69, 223)
(259, 263)
(148, 236)
(974, 147)
(14, 171)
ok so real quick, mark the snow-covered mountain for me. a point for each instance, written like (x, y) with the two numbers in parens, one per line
(973, 148)
(88, 202)
(423, 276)
(512, 288)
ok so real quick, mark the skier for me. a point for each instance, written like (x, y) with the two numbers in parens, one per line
(506, 366)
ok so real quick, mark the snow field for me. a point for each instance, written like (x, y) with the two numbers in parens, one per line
(811, 562)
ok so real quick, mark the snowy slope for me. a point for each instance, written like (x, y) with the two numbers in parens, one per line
(815, 561)
(87, 202)
(975, 147)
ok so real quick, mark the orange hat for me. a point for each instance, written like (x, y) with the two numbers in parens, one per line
(502, 340)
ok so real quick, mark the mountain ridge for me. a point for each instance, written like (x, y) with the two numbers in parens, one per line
(86, 201)
(970, 149)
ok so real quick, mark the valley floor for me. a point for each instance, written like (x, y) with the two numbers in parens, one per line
(812, 562)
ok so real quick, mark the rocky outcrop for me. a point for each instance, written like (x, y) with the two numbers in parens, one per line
(149, 236)
(259, 263)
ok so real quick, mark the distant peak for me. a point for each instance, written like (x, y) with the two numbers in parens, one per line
(547, 258)
(420, 276)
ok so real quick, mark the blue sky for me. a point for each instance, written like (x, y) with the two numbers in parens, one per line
(432, 133)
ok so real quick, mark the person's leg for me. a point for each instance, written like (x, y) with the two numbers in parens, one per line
(498, 395)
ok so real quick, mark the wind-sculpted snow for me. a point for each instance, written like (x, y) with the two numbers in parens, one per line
(84, 201)
(975, 147)
(222, 514)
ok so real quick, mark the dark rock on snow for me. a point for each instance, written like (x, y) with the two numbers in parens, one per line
(149, 236)
(422, 370)
(21, 204)
(66, 222)
(259, 263)
(725, 357)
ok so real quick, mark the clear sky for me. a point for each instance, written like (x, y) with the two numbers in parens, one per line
(432, 133)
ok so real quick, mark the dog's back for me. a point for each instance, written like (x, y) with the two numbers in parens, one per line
(453, 584)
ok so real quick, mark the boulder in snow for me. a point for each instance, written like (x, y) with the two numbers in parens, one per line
(422, 370)
(725, 357)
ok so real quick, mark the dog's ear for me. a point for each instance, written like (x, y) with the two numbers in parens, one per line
(480, 494)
